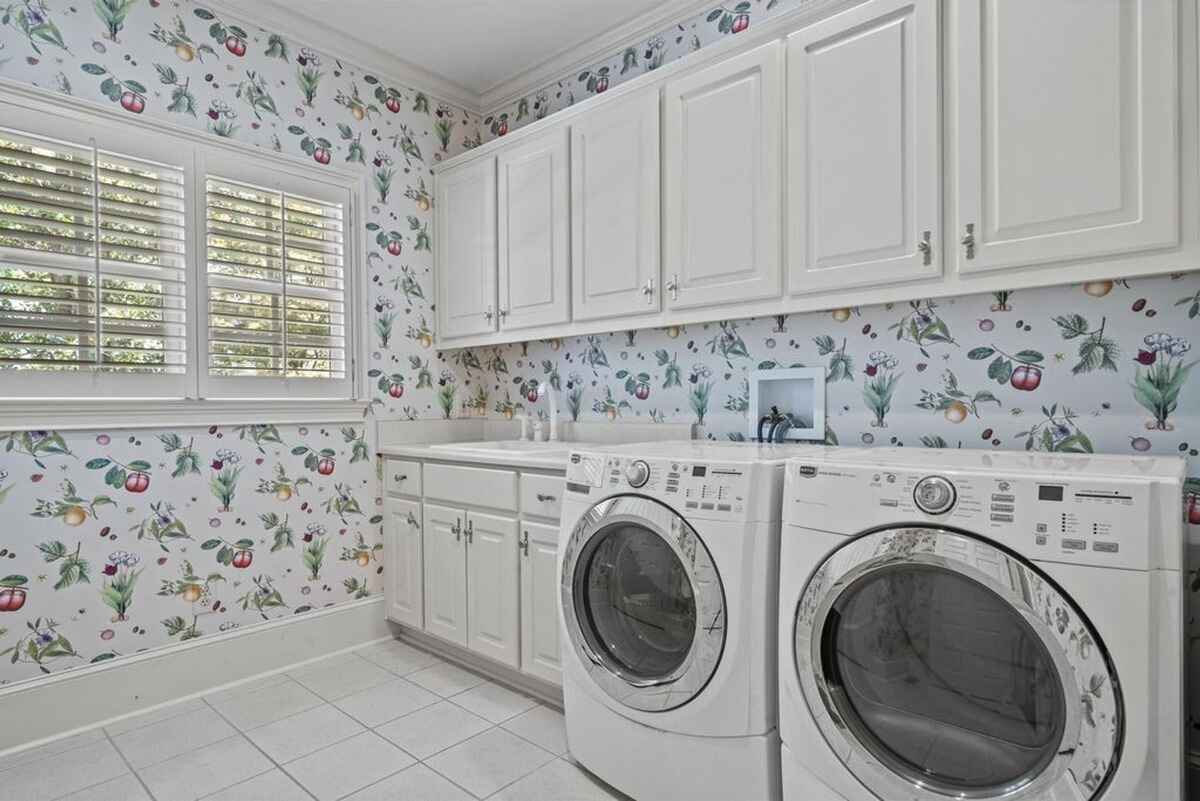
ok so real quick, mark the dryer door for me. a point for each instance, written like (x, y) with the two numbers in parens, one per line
(938, 665)
(643, 603)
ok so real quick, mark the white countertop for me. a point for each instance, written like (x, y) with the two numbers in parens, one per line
(551, 460)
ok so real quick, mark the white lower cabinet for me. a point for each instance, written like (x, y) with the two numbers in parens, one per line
(404, 563)
(493, 622)
(476, 578)
(445, 573)
(539, 602)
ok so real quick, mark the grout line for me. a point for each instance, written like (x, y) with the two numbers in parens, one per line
(128, 764)
(264, 753)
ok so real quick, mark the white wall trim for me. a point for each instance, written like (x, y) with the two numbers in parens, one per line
(101, 694)
(85, 415)
(277, 17)
(578, 55)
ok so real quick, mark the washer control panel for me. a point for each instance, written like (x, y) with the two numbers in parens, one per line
(708, 489)
(1087, 520)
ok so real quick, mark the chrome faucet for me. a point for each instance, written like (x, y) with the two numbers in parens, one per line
(544, 390)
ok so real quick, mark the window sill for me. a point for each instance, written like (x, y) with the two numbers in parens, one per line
(74, 415)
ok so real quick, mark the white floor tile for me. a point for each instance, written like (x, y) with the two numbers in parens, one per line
(348, 766)
(417, 783)
(259, 706)
(122, 788)
(154, 716)
(59, 746)
(433, 729)
(302, 734)
(445, 679)
(205, 770)
(398, 657)
(542, 726)
(259, 683)
(489, 761)
(58, 775)
(341, 675)
(386, 702)
(272, 786)
(557, 781)
(493, 702)
(171, 737)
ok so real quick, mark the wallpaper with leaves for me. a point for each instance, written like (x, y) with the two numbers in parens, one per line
(127, 540)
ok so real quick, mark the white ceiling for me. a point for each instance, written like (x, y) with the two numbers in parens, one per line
(477, 45)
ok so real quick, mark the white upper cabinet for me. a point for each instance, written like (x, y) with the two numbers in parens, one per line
(1066, 143)
(403, 576)
(465, 228)
(864, 178)
(722, 127)
(615, 211)
(493, 588)
(534, 232)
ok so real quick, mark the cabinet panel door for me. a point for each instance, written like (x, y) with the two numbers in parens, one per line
(465, 229)
(864, 177)
(445, 573)
(615, 214)
(539, 602)
(492, 587)
(404, 565)
(534, 214)
(1067, 130)
(721, 190)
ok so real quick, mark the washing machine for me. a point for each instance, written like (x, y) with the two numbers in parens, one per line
(965, 624)
(667, 559)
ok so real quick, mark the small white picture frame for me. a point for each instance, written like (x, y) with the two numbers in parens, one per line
(796, 391)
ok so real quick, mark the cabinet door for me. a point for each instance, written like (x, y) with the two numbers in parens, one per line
(1066, 129)
(404, 567)
(721, 195)
(465, 228)
(534, 218)
(445, 573)
(539, 602)
(615, 210)
(864, 177)
(492, 587)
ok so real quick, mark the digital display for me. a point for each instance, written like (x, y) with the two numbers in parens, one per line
(1047, 492)
(699, 471)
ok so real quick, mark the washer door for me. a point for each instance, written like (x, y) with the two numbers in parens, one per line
(643, 603)
(938, 665)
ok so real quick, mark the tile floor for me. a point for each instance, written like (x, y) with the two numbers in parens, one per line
(386, 723)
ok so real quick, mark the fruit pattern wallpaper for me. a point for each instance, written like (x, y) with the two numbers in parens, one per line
(716, 23)
(128, 540)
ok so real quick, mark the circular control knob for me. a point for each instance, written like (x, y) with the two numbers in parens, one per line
(934, 495)
(637, 473)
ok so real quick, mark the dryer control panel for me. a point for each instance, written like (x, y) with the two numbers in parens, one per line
(702, 489)
(1080, 520)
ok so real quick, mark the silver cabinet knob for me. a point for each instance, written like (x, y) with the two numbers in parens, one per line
(544, 498)
(934, 495)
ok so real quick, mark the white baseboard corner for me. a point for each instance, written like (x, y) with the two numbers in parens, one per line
(503, 674)
(74, 701)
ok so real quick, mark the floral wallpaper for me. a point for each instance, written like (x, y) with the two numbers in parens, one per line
(127, 540)
(700, 30)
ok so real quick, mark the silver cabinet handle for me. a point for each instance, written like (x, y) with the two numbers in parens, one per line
(968, 241)
(672, 286)
(503, 313)
(524, 544)
(398, 478)
(648, 291)
(925, 248)
(544, 498)
(470, 531)
(457, 529)
(487, 315)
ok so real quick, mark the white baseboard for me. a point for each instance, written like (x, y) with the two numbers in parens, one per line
(77, 700)
(538, 688)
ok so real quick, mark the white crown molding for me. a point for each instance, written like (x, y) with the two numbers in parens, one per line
(125, 413)
(579, 55)
(275, 16)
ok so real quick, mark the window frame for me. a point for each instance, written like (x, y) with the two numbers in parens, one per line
(90, 398)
